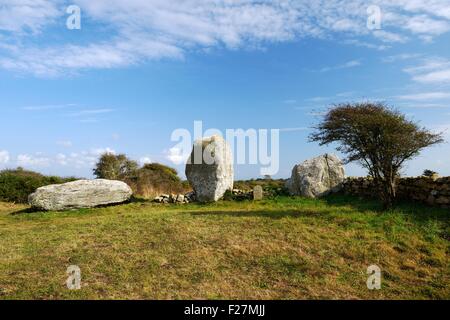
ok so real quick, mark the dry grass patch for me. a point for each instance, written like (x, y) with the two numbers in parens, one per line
(274, 249)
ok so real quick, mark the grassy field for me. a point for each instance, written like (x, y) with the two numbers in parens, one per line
(274, 249)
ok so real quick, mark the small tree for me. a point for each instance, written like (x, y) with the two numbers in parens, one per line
(381, 139)
(114, 167)
(429, 173)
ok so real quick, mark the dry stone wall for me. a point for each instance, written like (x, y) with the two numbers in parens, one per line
(431, 191)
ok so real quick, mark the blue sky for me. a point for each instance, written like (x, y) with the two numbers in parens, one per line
(137, 70)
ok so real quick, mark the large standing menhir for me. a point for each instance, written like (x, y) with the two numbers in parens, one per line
(210, 168)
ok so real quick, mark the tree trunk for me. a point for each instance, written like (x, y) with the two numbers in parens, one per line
(389, 192)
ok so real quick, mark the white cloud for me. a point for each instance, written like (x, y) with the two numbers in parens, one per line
(424, 105)
(428, 64)
(317, 113)
(4, 157)
(90, 112)
(425, 25)
(83, 159)
(64, 143)
(61, 159)
(145, 160)
(27, 15)
(100, 151)
(142, 30)
(365, 44)
(176, 156)
(431, 71)
(89, 120)
(442, 128)
(346, 65)
(319, 99)
(386, 36)
(400, 57)
(293, 129)
(425, 96)
(442, 76)
(33, 161)
(48, 107)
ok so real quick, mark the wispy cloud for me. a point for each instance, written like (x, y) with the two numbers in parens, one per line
(442, 76)
(346, 65)
(145, 160)
(420, 105)
(33, 161)
(319, 99)
(72, 110)
(83, 159)
(317, 113)
(425, 96)
(431, 71)
(176, 156)
(143, 30)
(4, 157)
(64, 143)
(49, 107)
(400, 57)
(90, 112)
(294, 129)
(389, 37)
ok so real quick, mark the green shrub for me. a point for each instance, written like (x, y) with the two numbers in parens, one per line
(154, 179)
(16, 185)
(115, 167)
(271, 187)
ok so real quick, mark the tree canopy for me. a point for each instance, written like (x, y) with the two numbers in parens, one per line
(380, 138)
(114, 167)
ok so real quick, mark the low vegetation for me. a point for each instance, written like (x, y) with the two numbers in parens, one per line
(16, 185)
(148, 181)
(280, 248)
(154, 179)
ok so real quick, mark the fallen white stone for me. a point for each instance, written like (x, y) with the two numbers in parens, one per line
(80, 194)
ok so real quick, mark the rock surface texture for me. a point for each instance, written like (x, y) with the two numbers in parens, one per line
(176, 198)
(429, 190)
(210, 169)
(317, 177)
(258, 193)
(80, 194)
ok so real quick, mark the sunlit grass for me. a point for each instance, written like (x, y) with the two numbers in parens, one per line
(286, 248)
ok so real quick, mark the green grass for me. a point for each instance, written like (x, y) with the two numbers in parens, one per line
(274, 249)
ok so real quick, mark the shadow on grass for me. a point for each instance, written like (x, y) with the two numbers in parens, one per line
(25, 211)
(359, 204)
(32, 210)
(139, 200)
(416, 211)
(272, 214)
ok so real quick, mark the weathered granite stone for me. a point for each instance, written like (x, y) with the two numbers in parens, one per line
(80, 194)
(317, 177)
(210, 169)
(258, 193)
